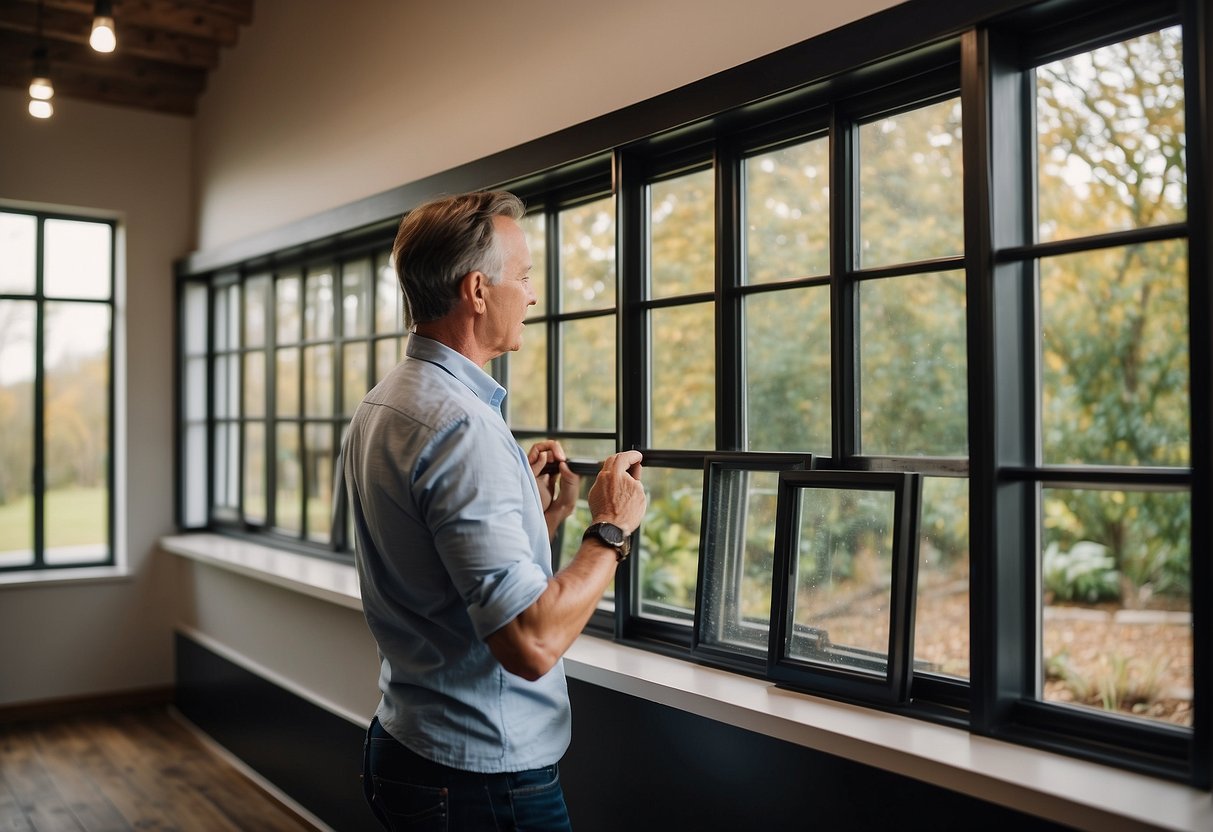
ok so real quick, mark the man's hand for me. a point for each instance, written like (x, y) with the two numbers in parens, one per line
(557, 503)
(618, 496)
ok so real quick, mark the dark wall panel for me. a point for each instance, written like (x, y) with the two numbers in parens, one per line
(637, 765)
(306, 751)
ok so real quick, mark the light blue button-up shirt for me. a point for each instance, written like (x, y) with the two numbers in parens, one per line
(451, 545)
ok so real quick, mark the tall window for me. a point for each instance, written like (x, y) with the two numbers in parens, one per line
(56, 390)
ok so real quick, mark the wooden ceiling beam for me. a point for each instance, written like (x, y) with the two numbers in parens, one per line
(75, 83)
(73, 27)
(170, 15)
(239, 11)
(60, 54)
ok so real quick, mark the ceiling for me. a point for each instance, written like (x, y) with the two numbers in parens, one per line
(165, 49)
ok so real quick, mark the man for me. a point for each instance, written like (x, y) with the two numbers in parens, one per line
(453, 525)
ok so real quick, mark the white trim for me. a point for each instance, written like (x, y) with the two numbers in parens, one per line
(54, 577)
(1075, 792)
(319, 578)
(258, 669)
(249, 772)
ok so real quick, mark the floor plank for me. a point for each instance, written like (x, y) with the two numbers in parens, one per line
(122, 771)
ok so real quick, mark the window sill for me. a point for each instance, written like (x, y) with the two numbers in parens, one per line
(1065, 790)
(69, 576)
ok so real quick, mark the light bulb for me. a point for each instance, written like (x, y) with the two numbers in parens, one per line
(40, 108)
(41, 88)
(103, 39)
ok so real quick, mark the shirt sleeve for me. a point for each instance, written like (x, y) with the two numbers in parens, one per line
(468, 487)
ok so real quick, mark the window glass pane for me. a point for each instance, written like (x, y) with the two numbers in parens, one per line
(842, 575)
(587, 256)
(195, 389)
(1114, 355)
(78, 255)
(76, 426)
(288, 493)
(389, 303)
(256, 295)
(195, 476)
(356, 297)
(1116, 596)
(195, 318)
(288, 303)
(388, 352)
(913, 365)
(787, 213)
(1111, 138)
(594, 450)
(353, 376)
(527, 402)
(318, 305)
(682, 246)
(669, 543)
(254, 472)
(319, 439)
(787, 370)
(221, 386)
(910, 197)
(683, 395)
(16, 431)
(286, 402)
(227, 467)
(573, 528)
(534, 226)
(588, 374)
(941, 624)
(19, 242)
(318, 380)
(737, 586)
(222, 340)
(254, 384)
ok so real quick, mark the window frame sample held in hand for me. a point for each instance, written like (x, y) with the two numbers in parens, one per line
(858, 531)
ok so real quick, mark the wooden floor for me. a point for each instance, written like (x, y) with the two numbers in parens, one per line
(136, 769)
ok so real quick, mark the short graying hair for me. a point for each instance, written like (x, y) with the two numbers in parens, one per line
(443, 240)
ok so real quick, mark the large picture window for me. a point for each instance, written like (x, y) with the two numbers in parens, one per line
(56, 390)
(968, 269)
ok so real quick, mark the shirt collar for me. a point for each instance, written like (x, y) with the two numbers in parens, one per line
(484, 386)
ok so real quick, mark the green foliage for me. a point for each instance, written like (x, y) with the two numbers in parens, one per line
(669, 540)
(1083, 573)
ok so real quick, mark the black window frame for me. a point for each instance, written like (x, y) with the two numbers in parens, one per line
(38, 473)
(896, 59)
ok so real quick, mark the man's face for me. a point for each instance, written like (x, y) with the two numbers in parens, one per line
(508, 299)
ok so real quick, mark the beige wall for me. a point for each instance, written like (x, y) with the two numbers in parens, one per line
(62, 640)
(324, 103)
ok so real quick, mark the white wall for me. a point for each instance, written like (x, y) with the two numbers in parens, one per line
(324, 103)
(71, 640)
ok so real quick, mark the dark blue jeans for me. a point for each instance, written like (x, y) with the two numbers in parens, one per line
(407, 791)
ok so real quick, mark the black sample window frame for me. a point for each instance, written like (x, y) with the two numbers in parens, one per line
(893, 688)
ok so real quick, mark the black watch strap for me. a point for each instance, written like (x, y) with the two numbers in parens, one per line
(610, 535)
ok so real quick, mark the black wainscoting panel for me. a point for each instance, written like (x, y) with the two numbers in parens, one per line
(306, 751)
(636, 765)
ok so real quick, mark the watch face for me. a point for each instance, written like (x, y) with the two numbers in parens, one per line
(611, 533)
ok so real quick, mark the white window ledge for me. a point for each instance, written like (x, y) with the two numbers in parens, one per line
(1062, 789)
(56, 577)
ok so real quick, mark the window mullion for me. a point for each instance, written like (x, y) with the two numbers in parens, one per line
(844, 213)
(39, 472)
(730, 380)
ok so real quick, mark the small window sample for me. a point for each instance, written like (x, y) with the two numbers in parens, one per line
(666, 554)
(842, 621)
(737, 546)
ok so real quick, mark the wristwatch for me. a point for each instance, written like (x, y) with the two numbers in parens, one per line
(612, 536)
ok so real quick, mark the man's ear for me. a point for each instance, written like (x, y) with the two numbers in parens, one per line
(471, 291)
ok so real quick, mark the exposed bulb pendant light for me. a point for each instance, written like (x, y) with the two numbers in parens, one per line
(41, 90)
(103, 38)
